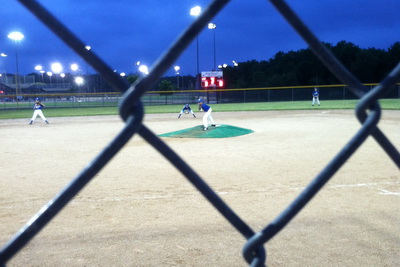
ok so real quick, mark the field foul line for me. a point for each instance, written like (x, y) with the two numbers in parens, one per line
(385, 192)
(382, 191)
(139, 197)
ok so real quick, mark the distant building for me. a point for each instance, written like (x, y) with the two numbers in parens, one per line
(28, 85)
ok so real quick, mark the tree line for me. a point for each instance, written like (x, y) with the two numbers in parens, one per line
(293, 68)
(302, 68)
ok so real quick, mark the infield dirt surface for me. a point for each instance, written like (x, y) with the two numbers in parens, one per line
(140, 211)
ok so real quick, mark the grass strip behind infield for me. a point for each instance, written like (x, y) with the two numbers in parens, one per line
(393, 104)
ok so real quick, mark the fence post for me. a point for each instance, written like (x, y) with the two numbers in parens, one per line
(292, 94)
(344, 92)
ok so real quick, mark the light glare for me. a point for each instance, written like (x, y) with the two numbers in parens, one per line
(16, 36)
(79, 80)
(195, 11)
(74, 67)
(144, 69)
(56, 67)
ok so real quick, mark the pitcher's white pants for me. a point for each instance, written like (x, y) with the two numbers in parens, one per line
(207, 116)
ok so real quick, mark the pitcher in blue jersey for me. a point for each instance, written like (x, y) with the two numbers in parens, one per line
(207, 116)
(37, 107)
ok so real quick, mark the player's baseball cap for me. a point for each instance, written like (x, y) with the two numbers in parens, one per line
(200, 100)
(37, 99)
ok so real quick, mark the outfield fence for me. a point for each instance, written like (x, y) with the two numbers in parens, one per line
(368, 112)
(245, 95)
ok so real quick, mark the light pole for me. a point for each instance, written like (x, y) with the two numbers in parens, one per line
(62, 75)
(42, 72)
(212, 26)
(39, 68)
(16, 37)
(195, 11)
(79, 81)
(177, 68)
(5, 69)
(74, 68)
(57, 69)
(49, 73)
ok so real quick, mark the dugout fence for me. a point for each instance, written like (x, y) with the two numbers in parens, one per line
(368, 112)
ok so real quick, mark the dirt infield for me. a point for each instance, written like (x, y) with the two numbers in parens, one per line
(140, 211)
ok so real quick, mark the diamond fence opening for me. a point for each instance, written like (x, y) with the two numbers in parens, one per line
(131, 111)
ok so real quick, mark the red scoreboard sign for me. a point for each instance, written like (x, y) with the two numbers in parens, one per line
(212, 79)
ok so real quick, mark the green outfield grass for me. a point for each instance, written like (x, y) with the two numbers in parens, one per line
(393, 104)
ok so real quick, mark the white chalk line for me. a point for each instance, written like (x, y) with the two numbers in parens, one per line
(385, 192)
(195, 193)
(381, 191)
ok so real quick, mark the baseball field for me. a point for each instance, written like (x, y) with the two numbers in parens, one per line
(140, 211)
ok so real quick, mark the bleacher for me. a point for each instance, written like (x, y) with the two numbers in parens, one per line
(28, 85)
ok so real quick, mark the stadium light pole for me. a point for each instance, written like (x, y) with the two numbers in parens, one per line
(177, 68)
(39, 68)
(74, 68)
(195, 11)
(49, 73)
(5, 69)
(57, 69)
(42, 72)
(17, 37)
(62, 75)
(213, 26)
(79, 81)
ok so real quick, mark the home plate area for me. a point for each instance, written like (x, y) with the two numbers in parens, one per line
(219, 131)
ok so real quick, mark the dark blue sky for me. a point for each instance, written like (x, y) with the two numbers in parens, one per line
(123, 32)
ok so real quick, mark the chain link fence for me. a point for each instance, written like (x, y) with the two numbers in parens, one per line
(368, 112)
(220, 96)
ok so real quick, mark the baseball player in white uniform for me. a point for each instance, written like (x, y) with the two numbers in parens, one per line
(37, 107)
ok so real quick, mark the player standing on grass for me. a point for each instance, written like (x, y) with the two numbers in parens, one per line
(315, 95)
(186, 108)
(37, 107)
(207, 116)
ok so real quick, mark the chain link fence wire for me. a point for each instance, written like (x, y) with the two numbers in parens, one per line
(131, 110)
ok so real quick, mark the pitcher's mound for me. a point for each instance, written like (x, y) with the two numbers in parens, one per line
(219, 131)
